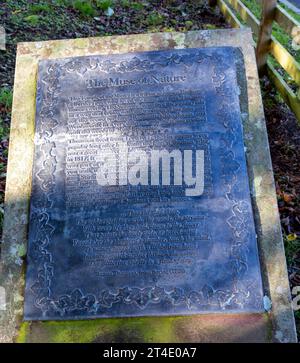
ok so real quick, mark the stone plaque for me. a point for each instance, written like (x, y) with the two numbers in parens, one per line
(140, 199)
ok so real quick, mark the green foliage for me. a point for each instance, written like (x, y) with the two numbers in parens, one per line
(84, 7)
(104, 4)
(291, 12)
(168, 29)
(33, 20)
(39, 8)
(277, 32)
(189, 24)
(283, 38)
(125, 3)
(155, 18)
(254, 7)
(61, 2)
(3, 130)
(210, 26)
(292, 247)
(6, 98)
(136, 6)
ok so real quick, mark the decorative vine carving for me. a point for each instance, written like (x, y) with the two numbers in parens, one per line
(77, 300)
(81, 66)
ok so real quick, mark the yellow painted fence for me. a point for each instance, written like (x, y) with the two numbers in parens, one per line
(266, 45)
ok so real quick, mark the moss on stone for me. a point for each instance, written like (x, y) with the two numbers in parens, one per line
(23, 332)
(150, 329)
(162, 329)
(70, 331)
(159, 330)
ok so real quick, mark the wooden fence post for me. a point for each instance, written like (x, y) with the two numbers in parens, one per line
(265, 32)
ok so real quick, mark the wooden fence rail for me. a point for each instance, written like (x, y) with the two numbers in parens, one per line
(267, 44)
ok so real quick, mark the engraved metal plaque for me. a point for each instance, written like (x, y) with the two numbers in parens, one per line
(140, 200)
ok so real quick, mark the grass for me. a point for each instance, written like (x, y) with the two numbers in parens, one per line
(6, 98)
(39, 8)
(134, 5)
(33, 20)
(291, 12)
(104, 4)
(39, 13)
(54, 16)
(279, 33)
(155, 18)
(85, 8)
(292, 247)
(4, 130)
(291, 241)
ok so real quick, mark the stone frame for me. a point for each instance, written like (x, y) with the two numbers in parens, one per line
(276, 325)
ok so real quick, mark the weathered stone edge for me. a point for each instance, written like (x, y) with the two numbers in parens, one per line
(21, 154)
